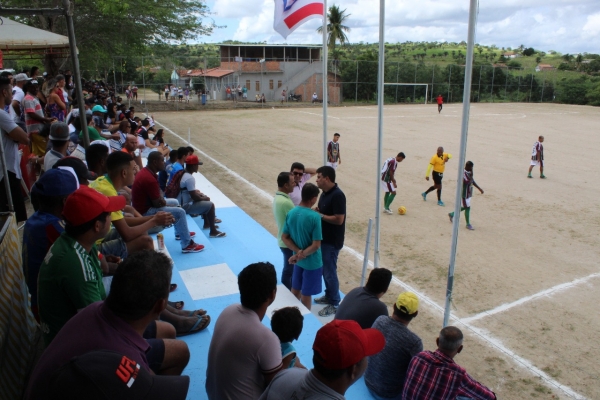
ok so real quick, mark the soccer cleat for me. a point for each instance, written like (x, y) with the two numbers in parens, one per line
(470, 227)
(387, 211)
(192, 234)
(441, 203)
(424, 196)
(450, 216)
(192, 248)
(542, 176)
(529, 176)
(327, 311)
(321, 300)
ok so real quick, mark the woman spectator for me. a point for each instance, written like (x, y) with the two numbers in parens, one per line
(111, 114)
(55, 107)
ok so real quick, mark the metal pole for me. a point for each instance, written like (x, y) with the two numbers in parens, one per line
(530, 89)
(356, 94)
(449, 76)
(397, 80)
(543, 86)
(493, 76)
(461, 157)
(380, 77)
(432, 79)
(479, 85)
(366, 256)
(73, 47)
(325, 51)
(415, 87)
(144, 79)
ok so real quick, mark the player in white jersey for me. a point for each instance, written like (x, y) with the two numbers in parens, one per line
(333, 152)
(467, 193)
(537, 157)
(388, 180)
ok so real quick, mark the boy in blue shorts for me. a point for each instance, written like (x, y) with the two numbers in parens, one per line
(302, 234)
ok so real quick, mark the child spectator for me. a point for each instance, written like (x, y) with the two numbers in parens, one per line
(287, 323)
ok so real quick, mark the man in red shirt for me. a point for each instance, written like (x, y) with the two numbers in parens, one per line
(147, 199)
(440, 102)
(436, 375)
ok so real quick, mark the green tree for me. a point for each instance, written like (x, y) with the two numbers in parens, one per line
(335, 27)
(528, 51)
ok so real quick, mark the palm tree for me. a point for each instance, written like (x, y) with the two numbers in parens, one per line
(336, 27)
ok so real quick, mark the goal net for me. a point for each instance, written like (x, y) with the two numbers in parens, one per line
(408, 92)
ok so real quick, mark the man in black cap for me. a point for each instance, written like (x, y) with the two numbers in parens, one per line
(59, 140)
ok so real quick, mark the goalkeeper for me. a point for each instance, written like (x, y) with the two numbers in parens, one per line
(438, 164)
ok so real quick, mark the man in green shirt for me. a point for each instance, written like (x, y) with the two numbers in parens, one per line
(70, 277)
(282, 204)
(302, 234)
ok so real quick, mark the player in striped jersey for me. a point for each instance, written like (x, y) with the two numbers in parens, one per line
(333, 152)
(537, 157)
(467, 193)
(388, 180)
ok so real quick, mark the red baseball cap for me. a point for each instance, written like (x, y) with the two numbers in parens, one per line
(193, 160)
(341, 344)
(85, 204)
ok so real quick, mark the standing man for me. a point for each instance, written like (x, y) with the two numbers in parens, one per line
(388, 180)
(537, 157)
(34, 118)
(282, 204)
(467, 193)
(302, 234)
(332, 207)
(435, 375)
(301, 176)
(333, 152)
(440, 102)
(18, 96)
(387, 370)
(282, 96)
(438, 164)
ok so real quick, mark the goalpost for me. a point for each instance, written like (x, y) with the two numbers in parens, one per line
(412, 84)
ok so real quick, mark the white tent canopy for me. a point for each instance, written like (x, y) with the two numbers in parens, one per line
(19, 37)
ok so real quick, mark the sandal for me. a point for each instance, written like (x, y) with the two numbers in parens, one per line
(195, 313)
(178, 305)
(201, 324)
(173, 287)
(218, 235)
(217, 221)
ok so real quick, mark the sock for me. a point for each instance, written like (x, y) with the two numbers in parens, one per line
(431, 189)
(468, 215)
(386, 199)
(461, 209)
(439, 193)
(392, 195)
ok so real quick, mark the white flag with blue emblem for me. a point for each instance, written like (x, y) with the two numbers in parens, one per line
(290, 14)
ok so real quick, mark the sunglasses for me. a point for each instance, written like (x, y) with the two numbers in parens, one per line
(298, 173)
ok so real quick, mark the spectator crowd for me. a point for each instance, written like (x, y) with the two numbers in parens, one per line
(100, 291)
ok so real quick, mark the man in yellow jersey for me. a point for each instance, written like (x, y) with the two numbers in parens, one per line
(438, 164)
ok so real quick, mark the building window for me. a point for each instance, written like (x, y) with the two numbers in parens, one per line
(279, 83)
(257, 86)
(248, 84)
(270, 84)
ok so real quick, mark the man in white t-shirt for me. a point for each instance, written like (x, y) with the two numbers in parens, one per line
(193, 201)
(301, 176)
(244, 354)
(17, 97)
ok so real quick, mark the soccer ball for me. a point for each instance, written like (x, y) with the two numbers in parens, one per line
(402, 210)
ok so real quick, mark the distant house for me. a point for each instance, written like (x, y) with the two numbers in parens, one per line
(544, 67)
(511, 54)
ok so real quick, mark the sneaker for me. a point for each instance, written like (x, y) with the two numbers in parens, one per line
(470, 227)
(327, 311)
(450, 216)
(387, 211)
(192, 234)
(529, 176)
(424, 196)
(441, 203)
(321, 300)
(192, 248)
(542, 176)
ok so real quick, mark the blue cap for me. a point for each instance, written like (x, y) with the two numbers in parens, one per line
(55, 182)
(98, 108)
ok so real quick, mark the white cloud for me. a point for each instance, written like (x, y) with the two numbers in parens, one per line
(592, 27)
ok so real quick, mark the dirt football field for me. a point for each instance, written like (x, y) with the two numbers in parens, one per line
(527, 282)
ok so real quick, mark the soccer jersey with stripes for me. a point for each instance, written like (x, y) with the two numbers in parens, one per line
(388, 169)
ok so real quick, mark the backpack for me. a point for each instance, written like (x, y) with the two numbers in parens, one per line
(173, 188)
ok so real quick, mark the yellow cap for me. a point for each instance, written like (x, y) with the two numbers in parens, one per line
(407, 302)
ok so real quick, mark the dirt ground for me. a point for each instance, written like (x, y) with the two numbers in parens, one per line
(531, 234)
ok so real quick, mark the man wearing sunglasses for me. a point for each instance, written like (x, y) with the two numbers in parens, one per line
(301, 176)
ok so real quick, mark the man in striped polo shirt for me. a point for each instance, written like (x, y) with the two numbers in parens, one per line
(388, 180)
(537, 157)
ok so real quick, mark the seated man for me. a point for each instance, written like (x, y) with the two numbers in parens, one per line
(45, 225)
(435, 375)
(148, 200)
(163, 176)
(84, 176)
(193, 201)
(59, 142)
(95, 157)
(340, 356)
(387, 370)
(176, 166)
(362, 304)
(131, 147)
(244, 354)
(124, 128)
(70, 277)
(139, 293)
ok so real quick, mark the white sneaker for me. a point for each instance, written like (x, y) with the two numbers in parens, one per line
(386, 211)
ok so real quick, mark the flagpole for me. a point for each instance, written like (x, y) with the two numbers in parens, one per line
(325, 50)
(461, 158)
(380, 79)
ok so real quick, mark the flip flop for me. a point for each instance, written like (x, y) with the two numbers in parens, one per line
(173, 287)
(199, 312)
(178, 305)
(218, 235)
(200, 325)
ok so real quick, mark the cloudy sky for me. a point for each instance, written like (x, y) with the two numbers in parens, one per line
(567, 26)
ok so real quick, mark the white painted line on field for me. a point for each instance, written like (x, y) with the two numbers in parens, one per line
(319, 115)
(486, 336)
(543, 293)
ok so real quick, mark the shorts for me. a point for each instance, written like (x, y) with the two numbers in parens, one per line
(113, 245)
(308, 282)
(150, 332)
(333, 165)
(245, 95)
(156, 354)
(437, 177)
(466, 203)
(387, 187)
(535, 163)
